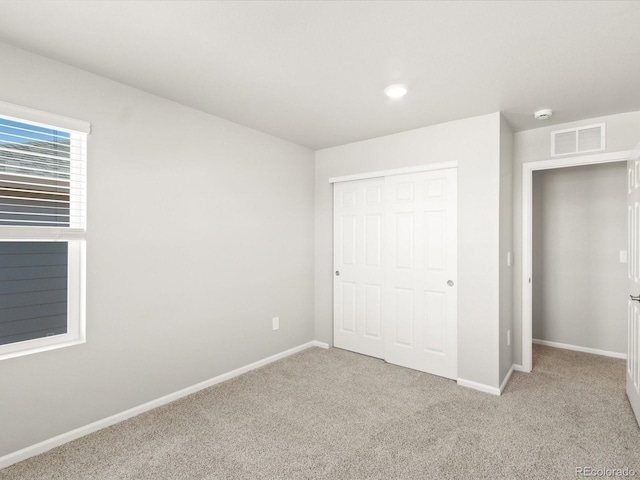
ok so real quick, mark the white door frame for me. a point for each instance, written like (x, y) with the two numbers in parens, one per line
(395, 171)
(527, 232)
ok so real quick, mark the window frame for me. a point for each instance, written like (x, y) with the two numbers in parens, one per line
(74, 236)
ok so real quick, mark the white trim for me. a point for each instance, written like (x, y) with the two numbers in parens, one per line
(18, 112)
(579, 160)
(527, 265)
(518, 368)
(506, 379)
(44, 344)
(43, 234)
(58, 440)
(578, 348)
(481, 387)
(395, 171)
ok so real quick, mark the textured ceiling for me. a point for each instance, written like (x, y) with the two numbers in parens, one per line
(313, 72)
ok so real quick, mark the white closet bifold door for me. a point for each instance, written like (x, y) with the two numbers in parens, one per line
(395, 271)
(358, 273)
(420, 301)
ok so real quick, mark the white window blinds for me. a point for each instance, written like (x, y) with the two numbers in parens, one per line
(42, 176)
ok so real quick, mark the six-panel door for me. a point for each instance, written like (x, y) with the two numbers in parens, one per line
(419, 305)
(358, 272)
(633, 309)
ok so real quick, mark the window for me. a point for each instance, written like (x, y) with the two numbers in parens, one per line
(42, 231)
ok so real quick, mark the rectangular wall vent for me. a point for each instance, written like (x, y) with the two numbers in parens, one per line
(578, 140)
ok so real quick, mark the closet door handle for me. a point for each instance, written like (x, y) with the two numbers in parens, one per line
(637, 298)
(337, 273)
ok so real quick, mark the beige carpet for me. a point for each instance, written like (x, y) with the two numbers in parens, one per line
(336, 414)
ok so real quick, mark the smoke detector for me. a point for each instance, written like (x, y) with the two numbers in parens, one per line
(543, 114)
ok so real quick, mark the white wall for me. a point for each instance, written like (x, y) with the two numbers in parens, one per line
(579, 284)
(475, 144)
(623, 133)
(199, 231)
(506, 247)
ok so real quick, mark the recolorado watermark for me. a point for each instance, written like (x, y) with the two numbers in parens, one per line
(625, 472)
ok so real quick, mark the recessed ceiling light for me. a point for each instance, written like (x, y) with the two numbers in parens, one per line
(396, 91)
(543, 114)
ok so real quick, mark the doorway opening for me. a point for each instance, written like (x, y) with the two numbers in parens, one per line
(579, 218)
(527, 236)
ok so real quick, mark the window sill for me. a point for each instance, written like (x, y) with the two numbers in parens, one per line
(40, 345)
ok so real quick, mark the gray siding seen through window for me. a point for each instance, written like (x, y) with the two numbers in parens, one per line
(33, 290)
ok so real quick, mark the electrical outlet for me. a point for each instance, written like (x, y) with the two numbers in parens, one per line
(623, 256)
(508, 337)
(275, 323)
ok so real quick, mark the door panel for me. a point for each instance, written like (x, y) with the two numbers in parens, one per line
(434, 326)
(403, 240)
(403, 318)
(358, 250)
(435, 231)
(631, 263)
(349, 240)
(373, 240)
(348, 303)
(633, 315)
(373, 312)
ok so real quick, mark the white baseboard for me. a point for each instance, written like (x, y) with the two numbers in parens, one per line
(58, 440)
(519, 368)
(316, 343)
(577, 348)
(481, 387)
(506, 379)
